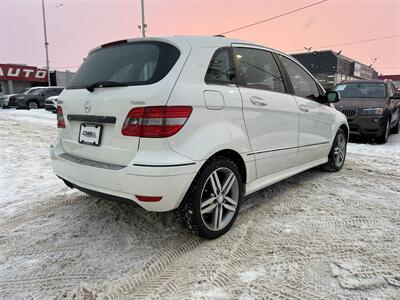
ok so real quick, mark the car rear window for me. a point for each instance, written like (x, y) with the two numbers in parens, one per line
(136, 63)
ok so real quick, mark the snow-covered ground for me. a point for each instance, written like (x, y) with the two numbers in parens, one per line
(314, 236)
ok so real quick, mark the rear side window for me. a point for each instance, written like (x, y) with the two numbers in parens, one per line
(137, 63)
(221, 69)
(53, 92)
(303, 84)
(57, 91)
(259, 69)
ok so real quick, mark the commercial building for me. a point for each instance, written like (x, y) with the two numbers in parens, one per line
(330, 67)
(395, 78)
(14, 78)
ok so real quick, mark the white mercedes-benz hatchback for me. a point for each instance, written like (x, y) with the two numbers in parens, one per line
(193, 124)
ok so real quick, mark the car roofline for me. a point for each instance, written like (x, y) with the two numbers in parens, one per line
(193, 41)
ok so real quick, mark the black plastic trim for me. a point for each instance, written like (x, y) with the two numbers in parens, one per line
(108, 197)
(286, 148)
(90, 162)
(93, 119)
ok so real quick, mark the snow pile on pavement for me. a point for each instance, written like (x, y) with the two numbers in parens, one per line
(26, 175)
(313, 236)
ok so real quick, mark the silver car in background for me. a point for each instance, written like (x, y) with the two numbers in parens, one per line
(4, 100)
(51, 104)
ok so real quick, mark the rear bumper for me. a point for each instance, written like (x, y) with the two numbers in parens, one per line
(367, 125)
(126, 181)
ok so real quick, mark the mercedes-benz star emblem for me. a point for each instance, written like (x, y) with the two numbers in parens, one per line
(87, 107)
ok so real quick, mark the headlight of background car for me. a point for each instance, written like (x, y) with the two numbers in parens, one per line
(372, 111)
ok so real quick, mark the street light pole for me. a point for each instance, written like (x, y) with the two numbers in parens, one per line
(46, 44)
(143, 26)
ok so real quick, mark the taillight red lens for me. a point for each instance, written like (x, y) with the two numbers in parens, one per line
(156, 121)
(60, 117)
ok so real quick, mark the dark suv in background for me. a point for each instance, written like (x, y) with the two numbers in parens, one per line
(37, 98)
(372, 108)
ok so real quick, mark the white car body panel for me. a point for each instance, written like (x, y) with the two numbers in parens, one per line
(223, 118)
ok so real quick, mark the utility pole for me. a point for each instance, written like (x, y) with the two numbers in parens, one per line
(46, 44)
(143, 27)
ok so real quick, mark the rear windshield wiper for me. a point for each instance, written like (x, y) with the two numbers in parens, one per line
(102, 84)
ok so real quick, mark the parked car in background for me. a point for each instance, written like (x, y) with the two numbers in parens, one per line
(5, 100)
(51, 103)
(12, 100)
(372, 107)
(394, 78)
(193, 124)
(37, 98)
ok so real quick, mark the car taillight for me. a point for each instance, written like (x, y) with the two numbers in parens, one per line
(60, 118)
(156, 121)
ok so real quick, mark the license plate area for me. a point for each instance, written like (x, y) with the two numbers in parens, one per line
(90, 134)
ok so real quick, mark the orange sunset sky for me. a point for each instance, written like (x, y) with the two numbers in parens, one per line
(79, 25)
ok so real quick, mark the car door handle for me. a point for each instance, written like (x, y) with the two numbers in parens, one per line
(304, 108)
(258, 101)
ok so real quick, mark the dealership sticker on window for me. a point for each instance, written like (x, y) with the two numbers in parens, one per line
(340, 87)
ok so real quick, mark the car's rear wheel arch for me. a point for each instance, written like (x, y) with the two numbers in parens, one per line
(190, 212)
(236, 158)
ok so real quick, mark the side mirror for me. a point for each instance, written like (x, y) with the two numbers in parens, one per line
(396, 96)
(331, 97)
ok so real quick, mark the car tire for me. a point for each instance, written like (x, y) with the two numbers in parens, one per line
(383, 138)
(32, 105)
(396, 129)
(208, 209)
(337, 154)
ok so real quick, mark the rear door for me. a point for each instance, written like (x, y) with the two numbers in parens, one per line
(146, 72)
(315, 119)
(270, 114)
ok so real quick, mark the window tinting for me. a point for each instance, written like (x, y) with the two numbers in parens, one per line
(137, 63)
(303, 84)
(259, 69)
(53, 92)
(361, 90)
(220, 69)
(34, 91)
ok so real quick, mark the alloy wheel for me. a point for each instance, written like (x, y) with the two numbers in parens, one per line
(32, 105)
(340, 150)
(219, 199)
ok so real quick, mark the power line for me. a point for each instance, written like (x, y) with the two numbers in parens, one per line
(354, 42)
(275, 17)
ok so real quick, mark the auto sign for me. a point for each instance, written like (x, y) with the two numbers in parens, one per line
(22, 73)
